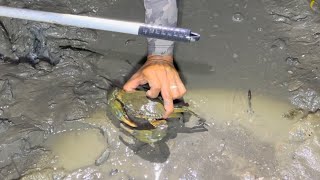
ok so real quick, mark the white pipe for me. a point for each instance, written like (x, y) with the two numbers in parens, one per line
(72, 20)
(153, 31)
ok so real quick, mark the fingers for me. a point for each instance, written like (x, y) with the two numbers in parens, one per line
(153, 92)
(177, 88)
(181, 88)
(174, 89)
(133, 83)
(167, 99)
(162, 78)
(168, 105)
(155, 86)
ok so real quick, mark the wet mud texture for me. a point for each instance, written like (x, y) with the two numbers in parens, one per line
(296, 32)
(55, 79)
(45, 70)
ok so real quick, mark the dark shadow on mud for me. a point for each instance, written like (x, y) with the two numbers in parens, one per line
(159, 152)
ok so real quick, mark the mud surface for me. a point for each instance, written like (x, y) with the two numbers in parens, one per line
(54, 80)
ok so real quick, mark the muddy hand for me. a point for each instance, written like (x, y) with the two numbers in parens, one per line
(162, 77)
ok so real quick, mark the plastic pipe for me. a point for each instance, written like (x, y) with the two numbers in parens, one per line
(160, 32)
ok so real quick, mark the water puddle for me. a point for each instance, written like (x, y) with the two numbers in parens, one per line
(76, 149)
(262, 115)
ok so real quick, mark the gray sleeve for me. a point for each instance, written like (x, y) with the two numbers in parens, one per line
(164, 13)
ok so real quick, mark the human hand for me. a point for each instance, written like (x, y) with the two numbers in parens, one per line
(162, 77)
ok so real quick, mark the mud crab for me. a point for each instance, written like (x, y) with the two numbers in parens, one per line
(141, 116)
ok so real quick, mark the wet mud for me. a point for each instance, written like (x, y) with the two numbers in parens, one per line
(254, 78)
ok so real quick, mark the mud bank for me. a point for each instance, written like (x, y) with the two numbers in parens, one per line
(54, 80)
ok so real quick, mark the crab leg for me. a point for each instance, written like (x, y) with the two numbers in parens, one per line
(146, 136)
(179, 110)
(156, 123)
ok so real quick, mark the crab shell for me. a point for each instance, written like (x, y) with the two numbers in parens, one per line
(139, 111)
(138, 105)
(140, 116)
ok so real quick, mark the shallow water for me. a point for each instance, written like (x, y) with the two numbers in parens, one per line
(76, 149)
(264, 119)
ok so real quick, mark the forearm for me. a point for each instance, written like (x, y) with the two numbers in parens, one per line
(163, 13)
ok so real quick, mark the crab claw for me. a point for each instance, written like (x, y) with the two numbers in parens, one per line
(117, 109)
(147, 136)
(121, 115)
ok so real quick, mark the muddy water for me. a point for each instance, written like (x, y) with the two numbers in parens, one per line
(76, 149)
(53, 116)
(264, 116)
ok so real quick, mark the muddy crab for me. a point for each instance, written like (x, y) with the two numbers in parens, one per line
(141, 116)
